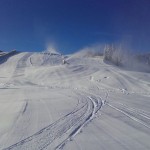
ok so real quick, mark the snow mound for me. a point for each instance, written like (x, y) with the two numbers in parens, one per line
(46, 58)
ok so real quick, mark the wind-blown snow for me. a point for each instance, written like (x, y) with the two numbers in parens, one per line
(82, 104)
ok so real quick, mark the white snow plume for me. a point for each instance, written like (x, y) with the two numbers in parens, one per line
(90, 51)
(51, 48)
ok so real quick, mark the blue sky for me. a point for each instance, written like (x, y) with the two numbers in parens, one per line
(70, 25)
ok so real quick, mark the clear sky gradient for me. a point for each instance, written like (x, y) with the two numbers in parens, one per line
(70, 25)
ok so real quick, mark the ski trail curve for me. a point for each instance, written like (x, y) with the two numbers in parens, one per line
(63, 129)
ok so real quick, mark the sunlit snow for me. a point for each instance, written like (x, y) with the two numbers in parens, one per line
(83, 104)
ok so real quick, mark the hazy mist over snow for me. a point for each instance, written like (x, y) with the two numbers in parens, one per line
(91, 50)
(127, 58)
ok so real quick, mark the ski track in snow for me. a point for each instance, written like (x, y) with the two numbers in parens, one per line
(20, 68)
(64, 128)
(135, 115)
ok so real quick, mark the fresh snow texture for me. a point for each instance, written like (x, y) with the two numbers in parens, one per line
(84, 103)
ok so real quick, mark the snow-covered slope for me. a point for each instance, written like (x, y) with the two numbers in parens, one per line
(82, 104)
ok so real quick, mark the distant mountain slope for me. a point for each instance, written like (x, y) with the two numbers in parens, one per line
(5, 55)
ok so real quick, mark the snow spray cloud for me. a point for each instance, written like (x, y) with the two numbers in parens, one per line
(122, 52)
(136, 62)
(51, 48)
(90, 51)
(120, 55)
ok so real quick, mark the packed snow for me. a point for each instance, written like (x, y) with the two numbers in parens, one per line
(50, 101)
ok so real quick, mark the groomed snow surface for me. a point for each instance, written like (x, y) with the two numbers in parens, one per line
(84, 104)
